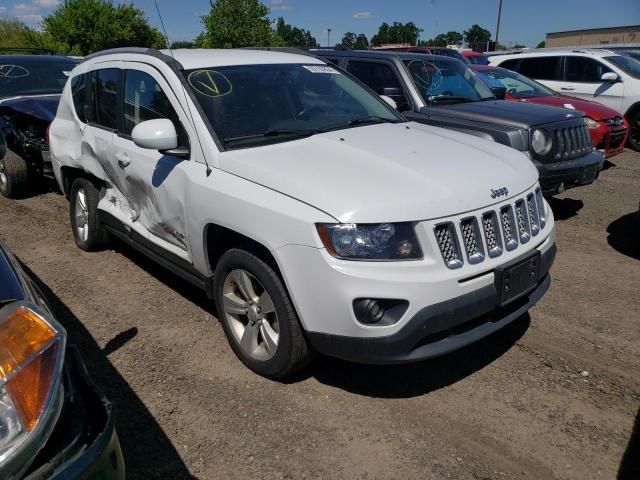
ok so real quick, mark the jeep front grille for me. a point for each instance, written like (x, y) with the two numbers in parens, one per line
(492, 232)
(571, 142)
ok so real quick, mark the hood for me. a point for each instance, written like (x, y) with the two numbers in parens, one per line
(43, 107)
(593, 110)
(386, 172)
(504, 112)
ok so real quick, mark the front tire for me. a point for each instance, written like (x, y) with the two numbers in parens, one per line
(88, 233)
(634, 131)
(14, 176)
(257, 316)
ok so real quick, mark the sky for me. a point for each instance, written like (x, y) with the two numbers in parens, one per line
(523, 21)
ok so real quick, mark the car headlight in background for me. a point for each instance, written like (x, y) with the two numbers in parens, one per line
(540, 142)
(591, 123)
(384, 241)
(31, 356)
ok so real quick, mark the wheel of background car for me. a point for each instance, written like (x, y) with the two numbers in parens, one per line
(634, 131)
(305, 113)
(83, 210)
(14, 175)
(257, 316)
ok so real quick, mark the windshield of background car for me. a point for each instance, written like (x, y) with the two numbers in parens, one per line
(33, 78)
(478, 59)
(446, 82)
(628, 65)
(518, 86)
(248, 105)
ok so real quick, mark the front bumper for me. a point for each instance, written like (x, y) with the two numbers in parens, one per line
(558, 176)
(438, 329)
(609, 139)
(84, 443)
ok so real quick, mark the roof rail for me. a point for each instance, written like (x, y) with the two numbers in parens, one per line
(299, 51)
(575, 48)
(137, 50)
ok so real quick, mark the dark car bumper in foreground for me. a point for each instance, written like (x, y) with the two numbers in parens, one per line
(83, 444)
(559, 176)
(441, 328)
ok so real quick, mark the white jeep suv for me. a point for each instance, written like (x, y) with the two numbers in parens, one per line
(315, 216)
(593, 74)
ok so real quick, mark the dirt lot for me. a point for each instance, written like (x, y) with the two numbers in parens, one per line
(516, 405)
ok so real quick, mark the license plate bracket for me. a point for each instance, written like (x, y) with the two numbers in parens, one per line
(518, 278)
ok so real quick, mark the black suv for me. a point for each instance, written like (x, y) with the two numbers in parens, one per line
(444, 92)
(30, 88)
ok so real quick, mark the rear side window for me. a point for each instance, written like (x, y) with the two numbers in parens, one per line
(80, 97)
(541, 68)
(108, 84)
(144, 100)
(510, 64)
(585, 70)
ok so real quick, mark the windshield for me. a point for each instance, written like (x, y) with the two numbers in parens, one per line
(257, 104)
(478, 59)
(447, 82)
(33, 77)
(518, 86)
(628, 65)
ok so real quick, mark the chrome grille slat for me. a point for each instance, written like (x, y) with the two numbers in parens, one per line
(522, 220)
(540, 202)
(508, 227)
(533, 215)
(472, 240)
(492, 234)
(448, 243)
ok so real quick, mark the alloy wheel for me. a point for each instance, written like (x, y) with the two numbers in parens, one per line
(250, 315)
(3, 176)
(81, 213)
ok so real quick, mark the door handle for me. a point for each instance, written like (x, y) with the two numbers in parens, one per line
(123, 159)
(567, 89)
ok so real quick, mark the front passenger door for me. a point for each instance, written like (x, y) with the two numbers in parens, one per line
(156, 184)
(582, 79)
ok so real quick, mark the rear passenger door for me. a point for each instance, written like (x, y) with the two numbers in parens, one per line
(582, 78)
(382, 78)
(546, 69)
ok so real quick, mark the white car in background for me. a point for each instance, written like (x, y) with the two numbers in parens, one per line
(604, 76)
(314, 215)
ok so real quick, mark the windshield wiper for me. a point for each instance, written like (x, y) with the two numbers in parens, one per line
(370, 120)
(273, 133)
(450, 98)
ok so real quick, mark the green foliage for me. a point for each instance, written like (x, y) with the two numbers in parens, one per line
(477, 35)
(183, 44)
(542, 44)
(362, 42)
(86, 26)
(294, 36)
(15, 34)
(397, 33)
(236, 24)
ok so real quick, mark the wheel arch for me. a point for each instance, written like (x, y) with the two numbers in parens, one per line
(69, 174)
(632, 109)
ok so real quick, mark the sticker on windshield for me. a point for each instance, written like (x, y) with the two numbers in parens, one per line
(13, 71)
(210, 83)
(320, 69)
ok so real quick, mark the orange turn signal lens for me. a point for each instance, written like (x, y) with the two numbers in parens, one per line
(28, 358)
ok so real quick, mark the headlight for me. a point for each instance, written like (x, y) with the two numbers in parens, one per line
(31, 352)
(591, 123)
(384, 241)
(540, 142)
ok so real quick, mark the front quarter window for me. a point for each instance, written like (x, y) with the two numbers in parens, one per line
(248, 105)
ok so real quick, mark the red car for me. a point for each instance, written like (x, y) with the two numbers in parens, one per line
(475, 58)
(608, 128)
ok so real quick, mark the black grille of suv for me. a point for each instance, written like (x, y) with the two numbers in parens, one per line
(571, 142)
(513, 225)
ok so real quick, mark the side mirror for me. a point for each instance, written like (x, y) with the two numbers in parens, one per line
(158, 134)
(397, 95)
(610, 77)
(390, 101)
(499, 92)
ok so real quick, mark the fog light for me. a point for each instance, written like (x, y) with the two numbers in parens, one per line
(376, 311)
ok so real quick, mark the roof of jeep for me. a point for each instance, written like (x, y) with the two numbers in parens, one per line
(389, 54)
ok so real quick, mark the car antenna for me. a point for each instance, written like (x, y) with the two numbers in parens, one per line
(184, 90)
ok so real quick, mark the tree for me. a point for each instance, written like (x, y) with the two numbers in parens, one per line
(182, 44)
(236, 24)
(542, 44)
(86, 26)
(294, 36)
(454, 38)
(348, 41)
(362, 42)
(397, 33)
(477, 36)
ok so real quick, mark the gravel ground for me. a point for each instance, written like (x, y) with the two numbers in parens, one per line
(553, 396)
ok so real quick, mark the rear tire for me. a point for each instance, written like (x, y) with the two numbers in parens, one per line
(14, 176)
(257, 316)
(88, 233)
(633, 142)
